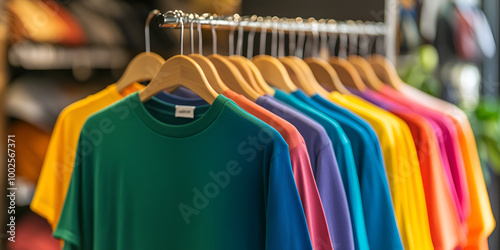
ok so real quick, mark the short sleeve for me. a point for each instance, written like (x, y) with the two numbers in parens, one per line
(75, 224)
(333, 198)
(55, 173)
(286, 226)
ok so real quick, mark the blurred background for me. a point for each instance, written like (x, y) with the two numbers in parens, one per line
(53, 53)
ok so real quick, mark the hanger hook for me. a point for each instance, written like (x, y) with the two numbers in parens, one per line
(191, 33)
(343, 40)
(299, 52)
(364, 41)
(263, 34)
(353, 37)
(323, 38)
(214, 35)
(274, 36)
(291, 37)
(281, 38)
(379, 41)
(180, 16)
(315, 37)
(231, 33)
(200, 33)
(147, 36)
(239, 43)
(332, 36)
(251, 37)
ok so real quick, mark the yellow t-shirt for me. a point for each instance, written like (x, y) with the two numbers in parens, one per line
(59, 160)
(481, 222)
(402, 168)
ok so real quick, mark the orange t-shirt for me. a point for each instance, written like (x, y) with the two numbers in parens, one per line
(481, 222)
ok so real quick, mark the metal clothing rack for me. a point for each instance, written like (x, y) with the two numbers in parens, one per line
(293, 26)
(178, 19)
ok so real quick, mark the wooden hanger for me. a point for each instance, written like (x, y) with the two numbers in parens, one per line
(274, 72)
(210, 72)
(258, 76)
(347, 73)
(179, 70)
(385, 70)
(310, 76)
(326, 74)
(232, 77)
(298, 77)
(246, 72)
(142, 67)
(366, 72)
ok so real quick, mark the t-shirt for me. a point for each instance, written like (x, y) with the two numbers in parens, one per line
(60, 157)
(349, 178)
(335, 203)
(446, 230)
(481, 222)
(146, 179)
(319, 147)
(452, 146)
(377, 202)
(301, 166)
(402, 170)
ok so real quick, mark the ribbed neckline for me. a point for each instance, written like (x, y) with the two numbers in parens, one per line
(177, 131)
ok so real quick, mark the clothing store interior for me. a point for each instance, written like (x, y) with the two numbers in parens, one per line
(250, 124)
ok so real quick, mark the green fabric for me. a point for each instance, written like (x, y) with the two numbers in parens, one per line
(144, 179)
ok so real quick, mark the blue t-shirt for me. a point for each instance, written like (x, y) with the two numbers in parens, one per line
(349, 178)
(343, 153)
(323, 162)
(377, 203)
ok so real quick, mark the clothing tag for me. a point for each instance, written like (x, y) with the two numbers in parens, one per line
(184, 111)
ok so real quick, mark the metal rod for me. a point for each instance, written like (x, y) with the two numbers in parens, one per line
(224, 23)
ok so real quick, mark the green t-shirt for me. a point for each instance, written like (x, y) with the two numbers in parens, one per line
(146, 179)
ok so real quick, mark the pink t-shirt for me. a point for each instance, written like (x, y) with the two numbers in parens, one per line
(451, 146)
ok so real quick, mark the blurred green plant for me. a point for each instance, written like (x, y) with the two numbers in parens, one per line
(419, 70)
(485, 122)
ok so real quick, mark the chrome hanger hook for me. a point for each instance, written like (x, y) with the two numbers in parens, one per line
(214, 36)
(147, 36)
(263, 34)
(353, 37)
(239, 42)
(251, 37)
(323, 39)
(200, 34)
(291, 37)
(315, 37)
(180, 17)
(281, 38)
(231, 34)
(299, 52)
(274, 37)
(191, 36)
(379, 41)
(364, 39)
(332, 37)
(343, 40)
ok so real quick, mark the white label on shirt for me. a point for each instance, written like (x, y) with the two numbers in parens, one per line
(184, 111)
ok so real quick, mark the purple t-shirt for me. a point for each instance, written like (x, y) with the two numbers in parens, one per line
(323, 162)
